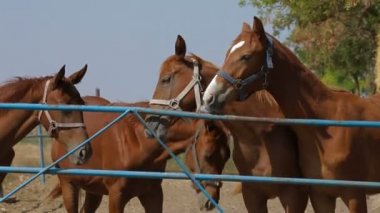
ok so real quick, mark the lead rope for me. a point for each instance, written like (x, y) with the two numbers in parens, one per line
(53, 125)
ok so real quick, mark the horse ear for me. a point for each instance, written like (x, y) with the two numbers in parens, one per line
(246, 28)
(78, 75)
(57, 79)
(180, 46)
(258, 27)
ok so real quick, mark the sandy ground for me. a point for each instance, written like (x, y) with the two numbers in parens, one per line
(178, 195)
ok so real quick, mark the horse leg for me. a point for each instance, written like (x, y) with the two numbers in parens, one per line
(153, 202)
(91, 202)
(6, 160)
(355, 201)
(294, 199)
(117, 201)
(321, 202)
(70, 195)
(254, 200)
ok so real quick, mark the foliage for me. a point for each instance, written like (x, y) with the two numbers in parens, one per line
(335, 38)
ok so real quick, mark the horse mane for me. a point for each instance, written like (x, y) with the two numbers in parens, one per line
(265, 97)
(13, 90)
(203, 62)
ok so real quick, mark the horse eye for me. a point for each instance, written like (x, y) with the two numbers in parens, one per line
(246, 57)
(166, 79)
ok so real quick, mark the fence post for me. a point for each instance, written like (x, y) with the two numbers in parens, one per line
(42, 157)
(97, 92)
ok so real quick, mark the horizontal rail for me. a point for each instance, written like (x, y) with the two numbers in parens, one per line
(119, 109)
(182, 176)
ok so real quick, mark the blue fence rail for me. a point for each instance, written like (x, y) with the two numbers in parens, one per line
(186, 175)
(210, 177)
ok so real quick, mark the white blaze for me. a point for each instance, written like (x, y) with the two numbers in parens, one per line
(211, 89)
(237, 46)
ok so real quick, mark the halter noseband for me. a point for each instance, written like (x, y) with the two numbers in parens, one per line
(194, 83)
(53, 125)
(240, 84)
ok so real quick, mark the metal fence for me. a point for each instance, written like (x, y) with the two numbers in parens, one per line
(124, 110)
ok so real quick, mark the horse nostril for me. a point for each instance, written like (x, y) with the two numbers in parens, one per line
(82, 154)
(148, 134)
(210, 99)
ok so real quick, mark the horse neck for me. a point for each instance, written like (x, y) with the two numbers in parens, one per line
(18, 123)
(302, 94)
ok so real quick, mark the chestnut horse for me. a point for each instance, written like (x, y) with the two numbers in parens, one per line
(66, 126)
(208, 154)
(262, 150)
(255, 61)
(124, 146)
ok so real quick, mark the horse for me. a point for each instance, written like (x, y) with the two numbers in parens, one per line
(67, 126)
(208, 154)
(258, 61)
(261, 150)
(124, 146)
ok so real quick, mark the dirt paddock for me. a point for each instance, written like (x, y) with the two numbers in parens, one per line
(178, 195)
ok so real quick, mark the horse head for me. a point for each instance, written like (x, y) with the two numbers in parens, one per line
(208, 154)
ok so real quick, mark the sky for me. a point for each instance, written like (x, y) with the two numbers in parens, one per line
(123, 42)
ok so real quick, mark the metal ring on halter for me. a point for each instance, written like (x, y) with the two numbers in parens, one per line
(238, 84)
(174, 103)
(52, 127)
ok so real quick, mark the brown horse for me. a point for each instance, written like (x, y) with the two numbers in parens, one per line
(122, 147)
(66, 126)
(208, 154)
(262, 150)
(256, 59)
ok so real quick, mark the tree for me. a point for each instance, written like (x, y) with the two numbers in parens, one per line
(335, 38)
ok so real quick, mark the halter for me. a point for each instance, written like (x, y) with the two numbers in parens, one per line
(53, 125)
(194, 83)
(192, 147)
(240, 84)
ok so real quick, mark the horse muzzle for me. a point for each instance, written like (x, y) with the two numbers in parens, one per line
(157, 126)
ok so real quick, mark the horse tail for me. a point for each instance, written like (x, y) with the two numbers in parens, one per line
(237, 189)
(377, 65)
(55, 193)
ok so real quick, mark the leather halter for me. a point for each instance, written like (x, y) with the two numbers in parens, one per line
(192, 148)
(54, 125)
(240, 84)
(194, 83)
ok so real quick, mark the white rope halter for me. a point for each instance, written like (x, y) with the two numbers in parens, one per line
(194, 83)
(53, 125)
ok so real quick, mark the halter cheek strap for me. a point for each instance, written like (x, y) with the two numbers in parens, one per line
(241, 84)
(197, 164)
(53, 125)
(194, 83)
